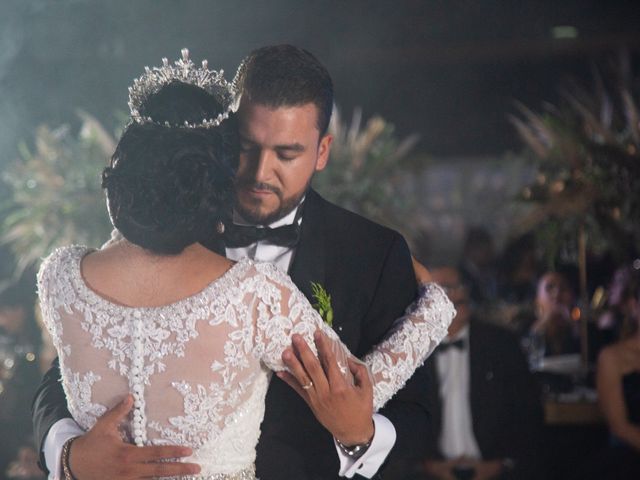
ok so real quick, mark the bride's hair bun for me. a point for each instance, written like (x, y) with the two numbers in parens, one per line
(168, 187)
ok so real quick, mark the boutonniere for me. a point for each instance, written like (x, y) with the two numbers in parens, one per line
(323, 303)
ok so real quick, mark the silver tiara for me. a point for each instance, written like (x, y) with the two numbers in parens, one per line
(185, 71)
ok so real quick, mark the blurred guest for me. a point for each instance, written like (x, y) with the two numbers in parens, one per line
(548, 324)
(486, 409)
(555, 300)
(618, 383)
(477, 266)
(619, 319)
(519, 271)
(25, 466)
(19, 371)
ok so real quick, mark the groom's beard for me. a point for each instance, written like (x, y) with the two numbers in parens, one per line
(251, 211)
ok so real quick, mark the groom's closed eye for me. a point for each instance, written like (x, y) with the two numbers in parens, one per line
(289, 152)
(285, 152)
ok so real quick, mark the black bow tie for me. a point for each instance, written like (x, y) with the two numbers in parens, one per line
(237, 236)
(459, 344)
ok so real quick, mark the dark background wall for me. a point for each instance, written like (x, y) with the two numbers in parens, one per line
(449, 69)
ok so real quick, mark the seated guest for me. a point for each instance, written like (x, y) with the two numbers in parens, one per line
(555, 299)
(486, 409)
(618, 383)
(549, 320)
(617, 319)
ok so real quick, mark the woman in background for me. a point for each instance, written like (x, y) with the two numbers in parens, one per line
(618, 383)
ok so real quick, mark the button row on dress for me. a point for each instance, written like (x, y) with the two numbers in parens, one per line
(138, 424)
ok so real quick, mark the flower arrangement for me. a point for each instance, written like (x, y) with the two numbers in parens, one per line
(53, 193)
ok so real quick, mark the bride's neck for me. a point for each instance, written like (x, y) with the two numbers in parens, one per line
(193, 252)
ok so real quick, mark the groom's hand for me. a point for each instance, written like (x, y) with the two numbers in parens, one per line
(343, 408)
(102, 454)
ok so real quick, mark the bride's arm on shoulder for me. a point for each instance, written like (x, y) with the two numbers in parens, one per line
(410, 341)
(391, 362)
(282, 312)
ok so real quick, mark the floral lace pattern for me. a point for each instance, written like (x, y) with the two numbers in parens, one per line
(199, 368)
(80, 405)
(393, 360)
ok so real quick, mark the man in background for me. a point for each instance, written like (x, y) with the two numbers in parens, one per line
(486, 409)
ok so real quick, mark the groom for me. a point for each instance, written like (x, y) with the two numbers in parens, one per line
(287, 98)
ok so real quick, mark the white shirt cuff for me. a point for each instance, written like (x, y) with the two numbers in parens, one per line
(384, 438)
(59, 433)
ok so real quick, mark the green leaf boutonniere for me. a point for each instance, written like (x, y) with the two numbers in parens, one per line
(323, 303)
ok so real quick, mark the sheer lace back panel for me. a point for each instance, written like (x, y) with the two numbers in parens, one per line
(199, 368)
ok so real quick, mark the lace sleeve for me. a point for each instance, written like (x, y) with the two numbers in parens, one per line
(283, 310)
(409, 342)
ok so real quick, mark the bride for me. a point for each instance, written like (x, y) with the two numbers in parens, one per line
(192, 335)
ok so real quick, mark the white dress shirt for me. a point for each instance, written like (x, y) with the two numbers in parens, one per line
(367, 465)
(456, 437)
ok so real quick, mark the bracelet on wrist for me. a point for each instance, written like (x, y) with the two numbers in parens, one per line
(66, 453)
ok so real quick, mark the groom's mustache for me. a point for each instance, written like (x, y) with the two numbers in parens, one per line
(250, 185)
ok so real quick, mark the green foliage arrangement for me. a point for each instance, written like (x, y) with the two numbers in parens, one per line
(588, 154)
(365, 171)
(53, 195)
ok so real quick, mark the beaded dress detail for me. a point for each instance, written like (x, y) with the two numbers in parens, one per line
(199, 368)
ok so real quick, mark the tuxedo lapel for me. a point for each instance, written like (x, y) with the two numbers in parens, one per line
(435, 407)
(482, 384)
(476, 375)
(310, 258)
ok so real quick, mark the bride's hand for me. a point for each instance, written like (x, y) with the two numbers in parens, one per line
(422, 274)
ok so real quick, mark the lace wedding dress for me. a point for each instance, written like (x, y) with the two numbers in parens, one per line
(199, 368)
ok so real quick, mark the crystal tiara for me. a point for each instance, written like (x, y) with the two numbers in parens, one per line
(185, 71)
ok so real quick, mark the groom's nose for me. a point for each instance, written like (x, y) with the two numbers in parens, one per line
(264, 165)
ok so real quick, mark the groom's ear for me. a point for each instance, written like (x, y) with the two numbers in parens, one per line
(324, 147)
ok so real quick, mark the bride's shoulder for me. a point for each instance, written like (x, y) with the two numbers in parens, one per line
(270, 271)
(60, 260)
(264, 272)
(65, 254)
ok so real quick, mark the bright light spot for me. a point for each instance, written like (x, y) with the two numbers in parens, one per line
(576, 314)
(636, 264)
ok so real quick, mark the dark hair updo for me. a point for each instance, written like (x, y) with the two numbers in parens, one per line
(167, 187)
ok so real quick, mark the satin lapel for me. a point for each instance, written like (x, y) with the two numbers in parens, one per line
(311, 254)
(436, 403)
(478, 376)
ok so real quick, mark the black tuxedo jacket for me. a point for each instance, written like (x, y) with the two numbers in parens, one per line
(367, 270)
(505, 403)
